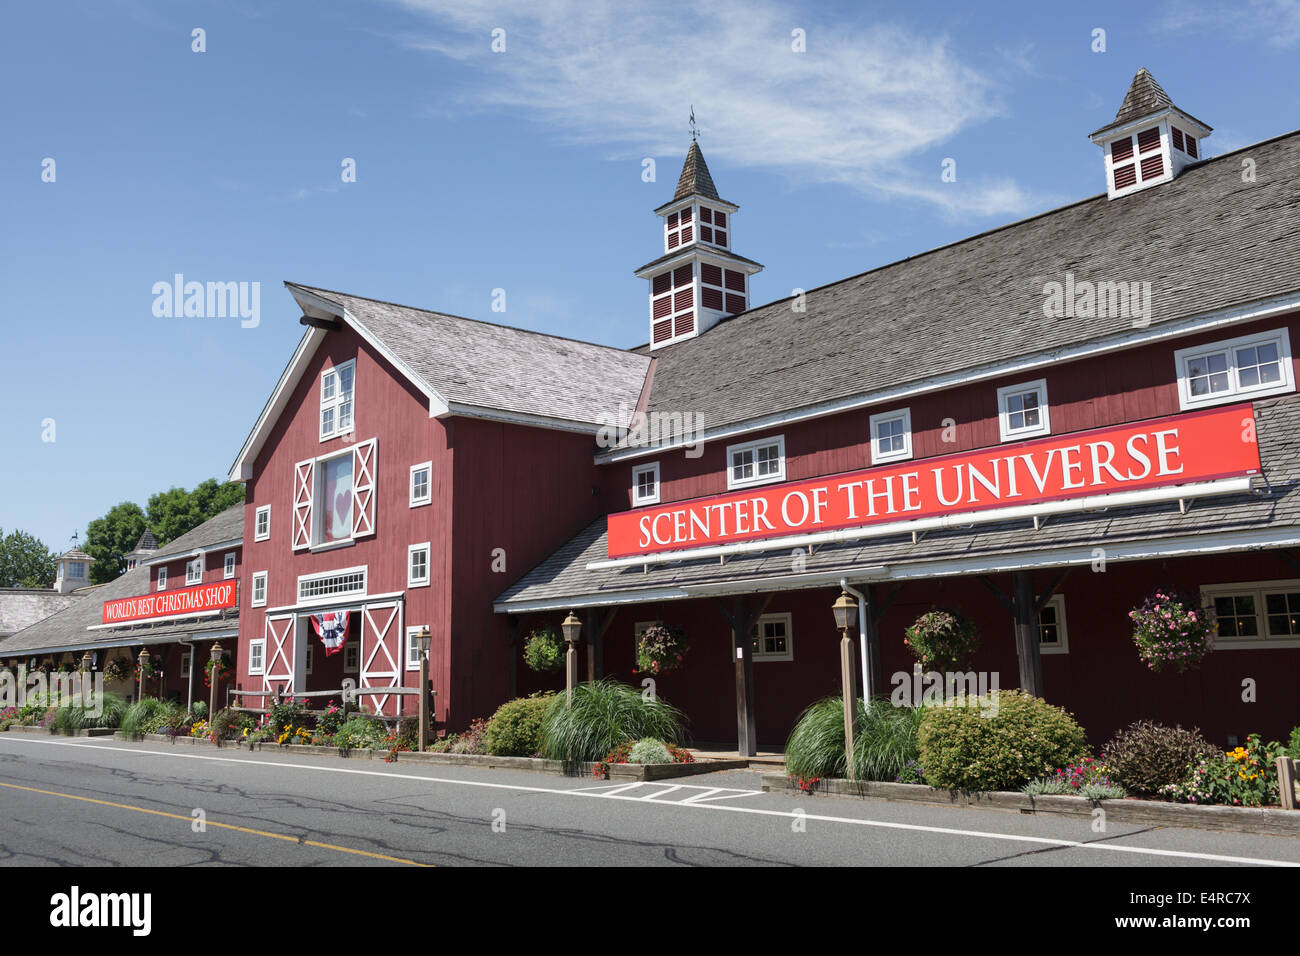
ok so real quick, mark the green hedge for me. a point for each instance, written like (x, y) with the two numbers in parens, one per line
(515, 730)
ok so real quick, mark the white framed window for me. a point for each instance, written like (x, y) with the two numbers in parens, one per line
(1255, 614)
(185, 663)
(773, 638)
(262, 523)
(336, 399)
(162, 577)
(421, 484)
(756, 462)
(645, 484)
(76, 569)
(194, 571)
(412, 654)
(1246, 367)
(259, 589)
(257, 656)
(229, 568)
(417, 565)
(333, 503)
(891, 436)
(1022, 410)
(326, 585)
(351, 657)
(1053, 635)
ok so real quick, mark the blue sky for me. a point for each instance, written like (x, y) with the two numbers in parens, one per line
(519, 170)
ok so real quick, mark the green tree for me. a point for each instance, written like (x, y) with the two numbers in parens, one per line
(110, 537)
(25, 561)
(175, 511)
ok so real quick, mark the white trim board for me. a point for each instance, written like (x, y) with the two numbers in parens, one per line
(1174, 328)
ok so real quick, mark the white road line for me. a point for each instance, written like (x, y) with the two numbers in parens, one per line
(726, 796)
(662, 793)
(616, 790)
(704, 796)
(785, 814)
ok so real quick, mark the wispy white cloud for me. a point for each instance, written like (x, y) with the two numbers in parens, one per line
(1274, 22)
(865, 106)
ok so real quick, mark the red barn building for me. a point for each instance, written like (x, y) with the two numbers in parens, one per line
(1036, 426)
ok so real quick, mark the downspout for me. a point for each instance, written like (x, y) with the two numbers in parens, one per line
(862, 641)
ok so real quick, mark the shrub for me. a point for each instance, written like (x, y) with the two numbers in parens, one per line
(147, 716)
(884, 740)
(649, 750)
(471, 741)
(1146, 756)
(603, 715)
(200, 710)
(515, 730)
(359, 731)
(997, 742)
(227, 723)
(1293, 745)
(288, 715)
(544, 650)
(71, 718)
(941, 641)
(112, 708)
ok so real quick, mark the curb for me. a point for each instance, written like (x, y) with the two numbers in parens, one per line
(1261, 820)
(642, 772)
(51, 732)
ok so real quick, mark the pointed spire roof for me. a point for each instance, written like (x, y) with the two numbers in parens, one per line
(695, 178)
(1144, 97)
(147, 542)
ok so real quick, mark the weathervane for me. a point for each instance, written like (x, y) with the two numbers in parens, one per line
(695, 132)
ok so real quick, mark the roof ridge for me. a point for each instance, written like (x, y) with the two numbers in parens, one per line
(461, 318)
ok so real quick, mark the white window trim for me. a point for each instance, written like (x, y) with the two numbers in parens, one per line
(353, 648)
(1057, 601)
(190, 576)
(228, 565)
(362, 569)
(428, 495)
(260, 535)
(788, 619)
(411, 631)
(319, 513)
(336, 401)
(878, 457)
(636, 484)
(412, 582)
(162, 577)
(778, 440)
(1044, 426)
(253, 601)
(1257, 588)
(1281, 337)
(258, 643)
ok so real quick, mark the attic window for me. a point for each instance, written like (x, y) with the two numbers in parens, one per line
(336, 389)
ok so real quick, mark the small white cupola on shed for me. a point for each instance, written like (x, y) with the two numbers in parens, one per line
(1150, 141)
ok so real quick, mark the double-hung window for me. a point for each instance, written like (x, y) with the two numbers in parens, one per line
(162, 577)
(336, 401)
(756, 462)
(332, 512)
(421, 484)
(1246, 367)
(645, 484)
(194, 571)
(228, 570)
(1022, 410)
(257, 656)
(417, 565)
(262, 524)
(891, 436)
(259, 589)
(1255, 614)
(1052, 635)
(772, 638)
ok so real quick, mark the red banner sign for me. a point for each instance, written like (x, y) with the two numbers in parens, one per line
(201, 597)
(1197, 446)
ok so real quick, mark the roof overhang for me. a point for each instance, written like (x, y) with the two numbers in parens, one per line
(1131, 126)
(672, 205)
(697, 250)
(133, 640)
(1174, 328)
(315, 306)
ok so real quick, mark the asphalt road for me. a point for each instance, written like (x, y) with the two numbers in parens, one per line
(101, 802)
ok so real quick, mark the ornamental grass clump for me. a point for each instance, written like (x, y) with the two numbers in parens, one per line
(998, 742)
(885, 742)
(1170, 631)
(147, 716)
(1145, 756)
(604, 715)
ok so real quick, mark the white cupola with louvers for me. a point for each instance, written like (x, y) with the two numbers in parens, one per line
(1150, 141)
(698, 281)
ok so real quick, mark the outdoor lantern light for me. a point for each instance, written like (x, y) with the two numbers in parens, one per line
(571, 627)
(846, 609)
(421, 638)
(215, 655)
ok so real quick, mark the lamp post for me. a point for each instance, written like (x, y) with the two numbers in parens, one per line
(845, 609)
(572, 627)
(214, 678)
(422, 638)
(143, 661)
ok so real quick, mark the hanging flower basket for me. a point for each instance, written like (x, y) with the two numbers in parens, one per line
(544, 650)
(1171, 631)
(223, 670)
(147, 670)
(941, 641)
(118, 669)
(660, 649)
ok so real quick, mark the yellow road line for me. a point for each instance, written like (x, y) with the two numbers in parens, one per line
(213, 823)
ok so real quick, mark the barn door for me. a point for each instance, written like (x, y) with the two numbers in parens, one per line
(277, 669)
(381, 653)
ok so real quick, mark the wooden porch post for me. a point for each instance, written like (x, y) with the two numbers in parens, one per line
(512, 672)
(1028, 651)
(746, 727)
(597, 623)
(874, 666)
